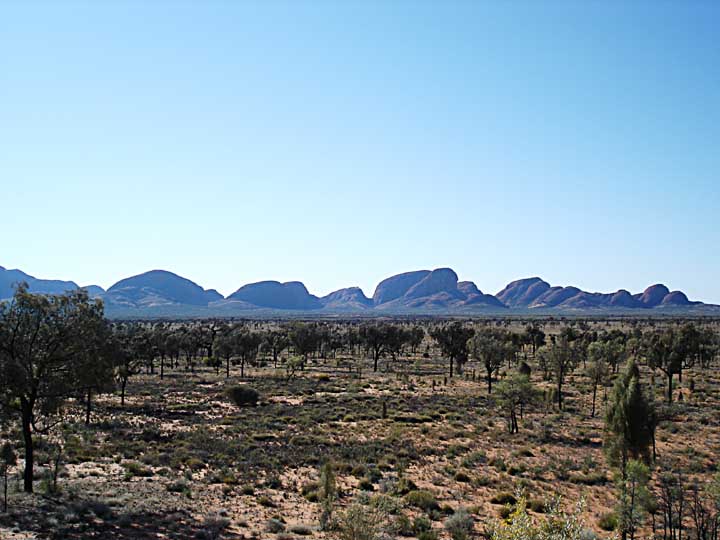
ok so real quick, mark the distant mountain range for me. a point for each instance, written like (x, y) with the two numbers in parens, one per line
(160, 293)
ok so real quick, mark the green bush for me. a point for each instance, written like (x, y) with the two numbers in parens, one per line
(133, 468)
(386, 503)
(421, 524)
(459, 525)
(179, 486)
(422, 499)
(403, 526)
(608, 521)
(474, 459)
(360, 522)
(405, 486)
(595, 478)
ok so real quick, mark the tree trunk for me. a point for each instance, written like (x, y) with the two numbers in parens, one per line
(670, 387)
(242, 368)
(489, 381)
(123, 384)
(88, 406)
(26, 410)
(451, 368)
(227, 367)
(654, 446)
(592, 414)
(559, 392)
(162, 367)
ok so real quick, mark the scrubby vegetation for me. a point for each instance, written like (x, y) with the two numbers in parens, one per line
(355, 429)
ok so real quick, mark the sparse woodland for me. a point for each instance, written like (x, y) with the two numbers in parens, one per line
(356, 429)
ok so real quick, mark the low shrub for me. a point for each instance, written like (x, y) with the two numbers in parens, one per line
(266, 501)
(243, 395)
(179, 486)
(503, 498)
(274, 526)
(366, 485)
(461, 477)
(133, 468)
(608, 521)
(421, 524)
(422, 499)
(459, 525)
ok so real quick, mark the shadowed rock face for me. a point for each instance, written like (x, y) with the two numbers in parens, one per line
(654, 295)
(159, 287)
(523, 292)
(441, 280)
(468, 288)
(676, 298)
(555, 296)
(624, 299)
(474, 296)
(437, 289)
(396, 286)
(347, 299)
(276, 295)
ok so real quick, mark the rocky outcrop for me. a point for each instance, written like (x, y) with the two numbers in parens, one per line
(164, 294)
(349, 299)
(523, 292)
(275, 295)
(394, 287)
(676, 298)
(555, 296)
(624, 299)
(653, 295)
(439, 281)
(436, 290)
(158, 288)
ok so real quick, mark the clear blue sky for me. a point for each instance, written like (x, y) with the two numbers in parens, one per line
(338, 143)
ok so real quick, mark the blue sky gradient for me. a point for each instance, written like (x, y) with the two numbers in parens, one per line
(338, 143)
